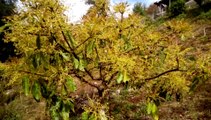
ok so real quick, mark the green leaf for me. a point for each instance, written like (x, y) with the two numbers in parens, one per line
(149, 108)
(64, 90)
(120, 77)
(66, 107)
(65, 56)
(154, 109)
(92, 117)
(58, 103)
(44, 89)
(54, 110)
(25, 85)
(54, 113)
(168, 97)
(36, 91)
(34, 61)
(70, 84)
(183, 37)
(85, 116)
(65, 113)
(71, 39)
(38, 42)
(155, 117)
(2, 28)
(81, 65)
(162, 56)
(195, 82)
(58, 58)
(102, 115)
(70, 105)
(75, 63)
(125, 77)
(90, 47)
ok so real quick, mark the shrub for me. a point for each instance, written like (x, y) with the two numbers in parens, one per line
(205, 15)
(177, 7)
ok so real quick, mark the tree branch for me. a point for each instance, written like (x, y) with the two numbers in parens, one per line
(100, 64)
(166, 72)
(37, 74)
(82, 43)
(66, 40)
(157, 76)
(91, 76)
(85, 81)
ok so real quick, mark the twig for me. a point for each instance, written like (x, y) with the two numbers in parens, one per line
(168, 71)
(157, 76)
(85, 81)
(38, 74)
(66, 40)
(90, 75)
(100, 65)
(82, 43)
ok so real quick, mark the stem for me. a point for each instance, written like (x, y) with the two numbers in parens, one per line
(85, 81)
(157, 76)
(82, 43)
(37, 74)
(100, 65)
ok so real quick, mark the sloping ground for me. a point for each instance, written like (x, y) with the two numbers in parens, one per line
(16, 106)
(23, 108)
(197, 106)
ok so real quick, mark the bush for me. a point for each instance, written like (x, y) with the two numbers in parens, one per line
(138, 9)
(199, 2)
(9, 114)
(205, 15)
(177, 7)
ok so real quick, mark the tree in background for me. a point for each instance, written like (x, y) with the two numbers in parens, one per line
(6, 9)
(199, 2)
(92, 2)
(139, 8)
(121, 8)
(99, 8)
(177, 7)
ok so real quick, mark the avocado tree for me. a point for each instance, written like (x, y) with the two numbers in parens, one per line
(102, 52)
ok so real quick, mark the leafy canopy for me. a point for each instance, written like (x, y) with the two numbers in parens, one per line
(102, 52)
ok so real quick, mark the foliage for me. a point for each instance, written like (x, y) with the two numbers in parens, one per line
(9, 114)
(138, 8)
(205, 15)
(102, 52)
(100, 8)
(177, 7)
(199, 2)
(90, 2)
(95, 111)
(6, 9)
(152, 109)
